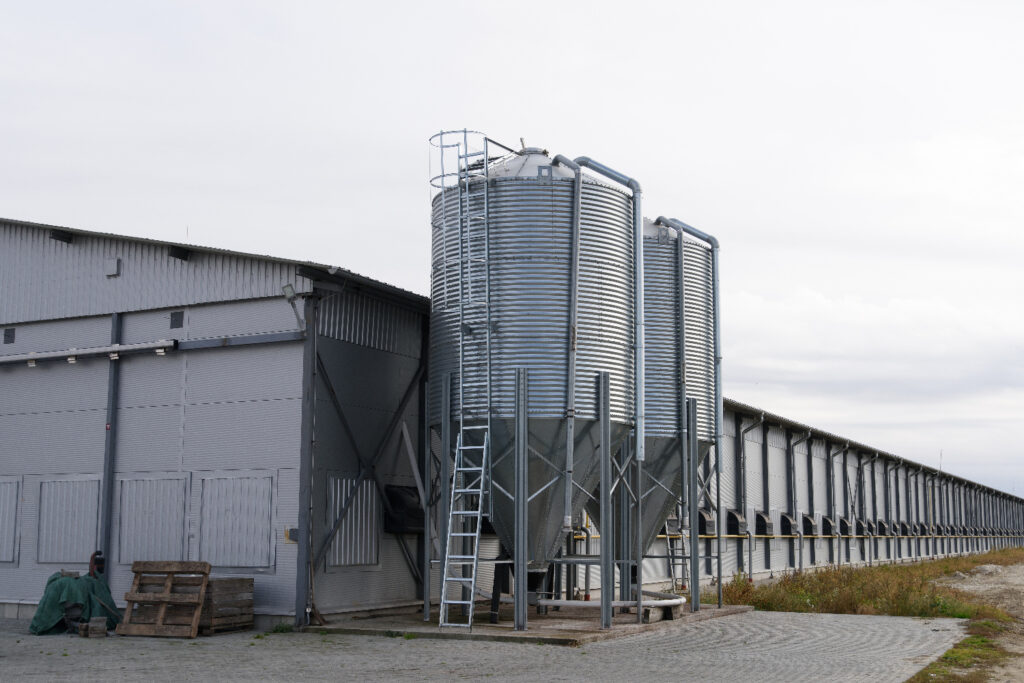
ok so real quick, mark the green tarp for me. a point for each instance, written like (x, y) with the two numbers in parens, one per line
(92, 594)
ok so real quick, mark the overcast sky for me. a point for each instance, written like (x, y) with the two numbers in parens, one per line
(861, 163)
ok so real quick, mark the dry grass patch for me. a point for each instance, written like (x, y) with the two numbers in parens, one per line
(899, 590)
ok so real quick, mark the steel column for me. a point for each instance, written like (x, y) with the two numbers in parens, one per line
(692, 461)
(304, 566)
(446, 465)
(605, 502)
(522, 496)
(110, 440)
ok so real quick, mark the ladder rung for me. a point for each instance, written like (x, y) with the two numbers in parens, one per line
(460, 579)
(455, 623)
(474, 427)
(470, 469)
(470, 448)
(467, 155)
(467, 513)
(458, 602)
(468, 491)
(462, 533)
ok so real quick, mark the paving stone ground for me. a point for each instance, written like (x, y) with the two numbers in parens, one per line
(756, 646)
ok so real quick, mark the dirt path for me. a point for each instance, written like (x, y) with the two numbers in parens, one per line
(1004, 588)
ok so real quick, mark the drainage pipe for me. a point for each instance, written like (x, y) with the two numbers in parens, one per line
(835, 505)
(716, 317)
(570, 382)
(796, 515)
(743, 490)
(743, 460)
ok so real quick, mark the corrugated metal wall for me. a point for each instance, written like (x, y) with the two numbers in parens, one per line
(43, 278)
(358, 539)
(207, 445)
(153, 513)
(370, 349)
(9, 490)
(863, 499)
(68, 519)
(236, 519)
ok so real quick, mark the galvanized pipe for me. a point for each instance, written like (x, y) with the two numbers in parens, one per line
(570, 383)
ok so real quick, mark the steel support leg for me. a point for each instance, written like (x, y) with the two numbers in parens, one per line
(639, 543)
(445, 474)
(521, 502)
(691, 457)
(607, 538)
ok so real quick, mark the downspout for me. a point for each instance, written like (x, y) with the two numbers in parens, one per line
(570, 382)
(743, 500)
(836, 531)
(796, 516)
(743, 459)
(874, 506)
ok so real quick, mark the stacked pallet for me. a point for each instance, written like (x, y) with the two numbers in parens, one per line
(165, 599)
(227, 606)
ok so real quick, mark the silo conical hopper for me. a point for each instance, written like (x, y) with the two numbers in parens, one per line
(521, 244)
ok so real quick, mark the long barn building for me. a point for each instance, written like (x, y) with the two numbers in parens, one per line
(167, 401)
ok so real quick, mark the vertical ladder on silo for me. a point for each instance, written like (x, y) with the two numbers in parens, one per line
(465, 518)
(471, 475)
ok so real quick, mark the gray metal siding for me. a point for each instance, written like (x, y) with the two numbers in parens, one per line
(185, 417)
(369, 383)
(235, 521)
(152, 519)
(9, 490)
(371, 322)
(358, 539)
(43, 279)
(68, 519)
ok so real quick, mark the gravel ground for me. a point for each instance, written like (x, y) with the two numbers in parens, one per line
(756, 646)
(1003, 587)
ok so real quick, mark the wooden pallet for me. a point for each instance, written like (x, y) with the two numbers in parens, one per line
(228, 606)
(166, 599)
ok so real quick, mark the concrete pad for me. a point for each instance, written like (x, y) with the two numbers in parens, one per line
(569, 626)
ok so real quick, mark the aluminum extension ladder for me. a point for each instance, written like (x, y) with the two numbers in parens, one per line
(465, 518)
(470, 481)
(678, 558)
